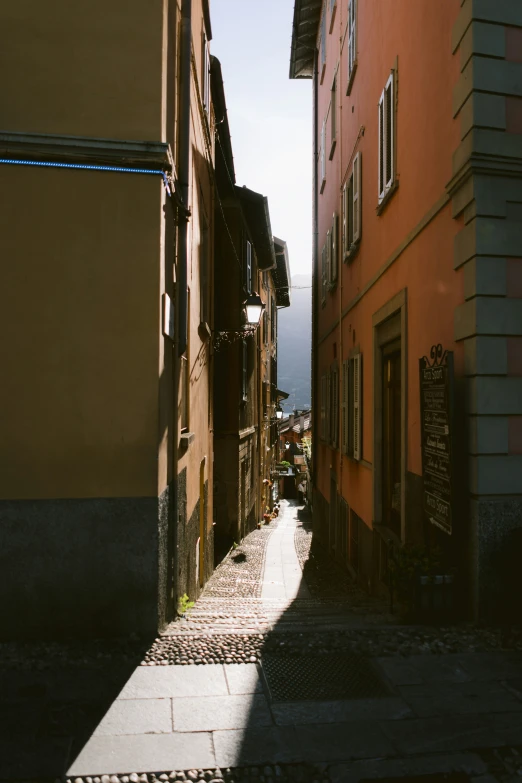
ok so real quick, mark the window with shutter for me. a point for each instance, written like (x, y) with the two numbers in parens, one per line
(322, 156)
(322, 46)
(328, 258)
(334, 405)
(350, 213)
(244, 374)
(351, 41)
(333, 9)
(324, 279)
(357, 406)
(344, 224)
(333, 118)
(356, 211)
(334, 249)
(344, 406)
(206, 77)
(323, 407)
(328, 407)
(248, 268)
(386, 138)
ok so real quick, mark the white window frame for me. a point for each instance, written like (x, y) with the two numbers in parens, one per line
(334, 250)
(357, 406)
(248, 267)
(352, 39)
(322, 46)
(357, 197)
(386, 138)
(324, 279)
(352, 207)
(322, 154)
(333, 9)
(206, 77)
(332, 113)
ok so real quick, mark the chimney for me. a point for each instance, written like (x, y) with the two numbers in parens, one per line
(291, 420)
(301, 423)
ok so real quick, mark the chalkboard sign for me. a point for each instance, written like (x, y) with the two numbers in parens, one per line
(436, 402)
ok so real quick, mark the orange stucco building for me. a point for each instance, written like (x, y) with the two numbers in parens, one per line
(417, 243)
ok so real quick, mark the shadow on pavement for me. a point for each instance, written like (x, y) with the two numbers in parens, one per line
(52, 698)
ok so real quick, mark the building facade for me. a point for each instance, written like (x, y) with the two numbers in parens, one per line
(417, 243)
(106, 449)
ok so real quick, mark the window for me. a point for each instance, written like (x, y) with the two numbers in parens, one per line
(334, 251)
(334, 407)
(204, 303)
(273, 321)
(322, 157)
(386, 138)
(351, 407)
(352, 197)
(184, 396)
(323, 407)
(322, 47)
(352, 51)
(332, 8)
(333, 118)
(324, 279)
(206, 77)
(265, 325)
(244, 368)
(328, 259)
(248, 267)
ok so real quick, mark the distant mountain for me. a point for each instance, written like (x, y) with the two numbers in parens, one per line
(294, 345)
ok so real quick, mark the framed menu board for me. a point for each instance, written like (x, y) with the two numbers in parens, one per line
(436, 402)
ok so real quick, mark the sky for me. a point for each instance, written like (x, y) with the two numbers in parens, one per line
(270, 116)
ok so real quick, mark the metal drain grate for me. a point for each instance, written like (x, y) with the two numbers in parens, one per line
(322, 677)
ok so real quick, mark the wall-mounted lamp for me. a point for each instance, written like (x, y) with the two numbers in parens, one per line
(253, 308)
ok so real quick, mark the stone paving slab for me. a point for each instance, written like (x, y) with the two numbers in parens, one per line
(459, 698)
(469, 763)
(30, 757)
(438, 735)
(305, 712)
(136, 716)
(216, 713)
(113, 755)
(265, 745)
(157, 682)
(243, 678)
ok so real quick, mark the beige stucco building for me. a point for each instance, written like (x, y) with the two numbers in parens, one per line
(106, 433)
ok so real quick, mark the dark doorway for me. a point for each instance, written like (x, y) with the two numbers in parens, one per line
(391, 436)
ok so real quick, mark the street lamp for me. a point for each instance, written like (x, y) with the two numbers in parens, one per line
(279, 413)
(254, 308)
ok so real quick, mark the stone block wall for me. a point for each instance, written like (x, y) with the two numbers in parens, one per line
(486, 191)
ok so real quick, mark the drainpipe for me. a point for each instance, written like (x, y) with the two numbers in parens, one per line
(183, 171)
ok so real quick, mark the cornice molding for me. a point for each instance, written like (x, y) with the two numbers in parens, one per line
(80, 149)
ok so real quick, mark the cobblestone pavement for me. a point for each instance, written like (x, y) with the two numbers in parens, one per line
(226, 693)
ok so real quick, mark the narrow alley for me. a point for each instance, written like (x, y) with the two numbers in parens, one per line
(282, 671)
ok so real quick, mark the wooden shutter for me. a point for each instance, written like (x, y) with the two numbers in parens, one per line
(334, 264)
(351, 36)
(323, 407)
(357, 197)
(335, 407)
(323, 152)
(357, 406)
(344, 206)
(333, 116)
(388, 132)
(248, 268)
(328, 426)
(349, 215)
(244, 374)
(328, 257)
(323, 274)
(323, 42)
(381, 147)
(344, 406)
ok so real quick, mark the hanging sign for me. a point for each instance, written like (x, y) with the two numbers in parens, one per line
(436, 402)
